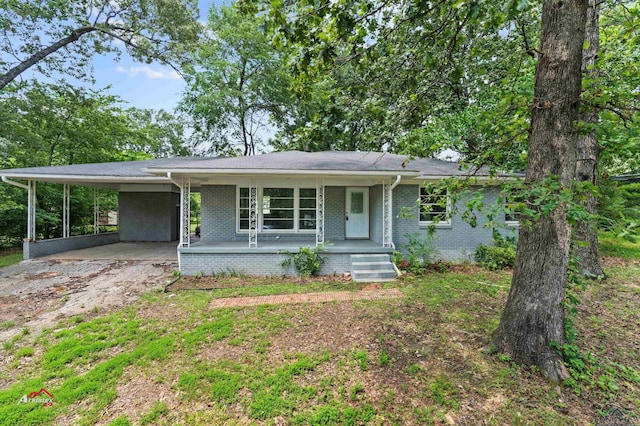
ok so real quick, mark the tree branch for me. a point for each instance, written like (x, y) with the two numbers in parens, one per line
(14, 72)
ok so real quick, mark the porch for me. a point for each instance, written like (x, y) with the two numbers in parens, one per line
(364, 259)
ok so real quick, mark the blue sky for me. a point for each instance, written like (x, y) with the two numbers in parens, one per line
(143, 85)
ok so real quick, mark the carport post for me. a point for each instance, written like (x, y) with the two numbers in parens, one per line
(65, 210)
(31, 211)
(96, 212)
(185, 212)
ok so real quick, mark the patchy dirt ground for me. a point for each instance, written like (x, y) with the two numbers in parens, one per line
(38, 293)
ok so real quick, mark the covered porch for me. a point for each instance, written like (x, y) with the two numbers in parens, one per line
(362, 258)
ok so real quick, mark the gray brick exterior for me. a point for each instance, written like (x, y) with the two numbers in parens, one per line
(218, 217)
(454, 242)
(375, 213)
(334, 213)
(255, 264)
(148, 216)
(33, 249)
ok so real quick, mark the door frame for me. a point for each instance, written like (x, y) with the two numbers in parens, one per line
(368, 210)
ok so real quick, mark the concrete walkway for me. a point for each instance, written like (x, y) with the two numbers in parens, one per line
(283, 299)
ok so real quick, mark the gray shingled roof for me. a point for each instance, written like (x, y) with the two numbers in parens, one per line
(347, 161)
(115, 169)
(289, 161)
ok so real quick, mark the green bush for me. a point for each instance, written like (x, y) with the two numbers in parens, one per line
(502, 254)
(307, 261)
(420, 252)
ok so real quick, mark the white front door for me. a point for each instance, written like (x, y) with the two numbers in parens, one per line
(357, 212)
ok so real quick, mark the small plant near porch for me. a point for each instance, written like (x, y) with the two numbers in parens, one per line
(307, 261)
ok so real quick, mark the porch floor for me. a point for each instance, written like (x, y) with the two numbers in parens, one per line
(273, 246)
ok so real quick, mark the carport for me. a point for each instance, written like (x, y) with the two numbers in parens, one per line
(150, 210)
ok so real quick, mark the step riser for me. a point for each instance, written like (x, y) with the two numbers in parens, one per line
(358, 258)
(372, 267)
(373, 275)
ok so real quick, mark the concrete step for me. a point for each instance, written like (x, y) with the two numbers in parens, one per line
(372, 268)
(370, 258)
(373, 276)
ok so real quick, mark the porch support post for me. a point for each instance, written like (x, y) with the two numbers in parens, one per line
(185, 212)
(96, 212)
(65, 210)
(319, 213)
(386, 214)
(253, 216)
(31, 211)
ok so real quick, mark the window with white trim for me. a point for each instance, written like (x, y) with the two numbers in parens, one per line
(512, 206)
(434, 206)
(280, 209)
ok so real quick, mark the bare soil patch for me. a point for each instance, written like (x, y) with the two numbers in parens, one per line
(38, 293)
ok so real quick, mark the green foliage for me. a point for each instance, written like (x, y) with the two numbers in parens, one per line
(239, 85)
(612, 245)
(362, 358)
(146, 30)
(420, 251)
(618, 209)
(307, 261)
(499, 256)
(10, 259)
(158, 410)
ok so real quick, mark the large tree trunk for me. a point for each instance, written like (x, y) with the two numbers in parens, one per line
(533, 317)
(585, 235)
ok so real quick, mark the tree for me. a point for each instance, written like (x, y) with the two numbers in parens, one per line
(59, 37)
(48, 125)
(239, 85)
(585, 235)
(533, 318)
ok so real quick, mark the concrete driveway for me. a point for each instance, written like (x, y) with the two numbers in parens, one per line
(165, 252)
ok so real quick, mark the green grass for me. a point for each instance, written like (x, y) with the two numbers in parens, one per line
(610, 245)
(10, 258)
(414, 360)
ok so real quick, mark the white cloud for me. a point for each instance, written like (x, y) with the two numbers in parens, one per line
(150, 73)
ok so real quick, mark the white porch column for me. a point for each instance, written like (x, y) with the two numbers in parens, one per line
(387, 214)
(319, 213)
(65, 210)
(253, 216)
(31, 211)
(96, 212)
(185, 212)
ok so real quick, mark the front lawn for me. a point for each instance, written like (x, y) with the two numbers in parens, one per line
(10, 257)
(171, 359)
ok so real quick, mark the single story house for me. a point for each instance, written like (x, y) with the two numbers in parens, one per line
(360, 205)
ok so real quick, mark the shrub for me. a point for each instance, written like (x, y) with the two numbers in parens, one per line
(307, 261)
(499, 256)
(420, 252)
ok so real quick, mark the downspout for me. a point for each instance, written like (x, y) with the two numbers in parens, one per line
(10, 182)
(179, 185)
(393, 185)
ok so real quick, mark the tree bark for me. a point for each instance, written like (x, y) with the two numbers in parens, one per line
(14, 72)
(585, 234)
(534, 316)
